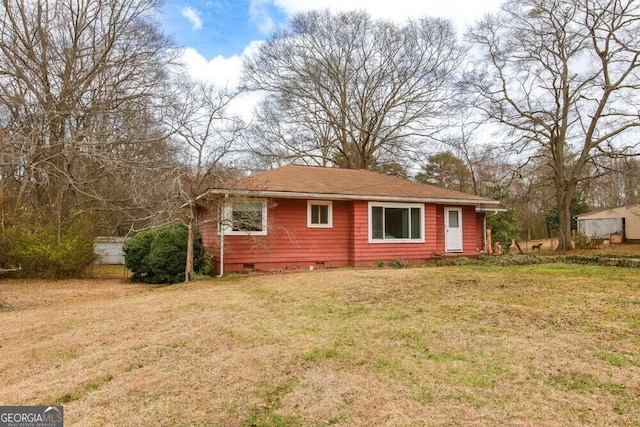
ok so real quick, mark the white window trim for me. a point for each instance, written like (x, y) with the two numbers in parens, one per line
(328, 203)
(396, 205)
(227, 215)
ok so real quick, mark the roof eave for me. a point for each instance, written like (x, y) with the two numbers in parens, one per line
(365, 197)
(497, 209)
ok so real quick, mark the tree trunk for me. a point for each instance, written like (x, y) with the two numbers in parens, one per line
(564, 220)
(188, 271)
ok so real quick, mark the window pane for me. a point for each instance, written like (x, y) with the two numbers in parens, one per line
(402, 223)
(453, 219)
(324, 214)
(247, 217)
(320, 214)
(396, 223)
(416, 220)
(376, 222)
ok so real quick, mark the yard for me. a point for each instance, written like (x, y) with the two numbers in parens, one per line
(530, 345)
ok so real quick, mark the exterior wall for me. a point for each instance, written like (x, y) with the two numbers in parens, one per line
(108, 250)
(471, 244)
(480, 232)
(600, 228)
(632, 224)
(365, 253)
(368, 253)
(290, 244)
(630, 214)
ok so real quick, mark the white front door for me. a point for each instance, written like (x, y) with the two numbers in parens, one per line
(453, 230)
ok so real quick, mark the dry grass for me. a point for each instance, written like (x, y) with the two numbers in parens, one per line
(549, 246)
(552, 345)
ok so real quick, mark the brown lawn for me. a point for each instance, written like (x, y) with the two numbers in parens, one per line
(610, 249)
(552, 345)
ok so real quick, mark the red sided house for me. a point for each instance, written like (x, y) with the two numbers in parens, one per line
(297, 217)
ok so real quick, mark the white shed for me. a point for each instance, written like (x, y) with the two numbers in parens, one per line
(602, 224)
(108, 250)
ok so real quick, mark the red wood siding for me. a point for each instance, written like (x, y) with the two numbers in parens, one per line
(470, 242)
(439, 230)
(366, 253)
(290, 244)
(480, 233)
(469, 231)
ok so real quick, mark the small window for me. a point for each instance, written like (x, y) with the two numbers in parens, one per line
(396, 223)
(454, 219)
(319, 214)
(245, 217)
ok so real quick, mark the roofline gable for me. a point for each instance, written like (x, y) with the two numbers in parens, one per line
(628, 207)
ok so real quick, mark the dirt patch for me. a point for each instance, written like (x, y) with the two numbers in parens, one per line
(540, 245)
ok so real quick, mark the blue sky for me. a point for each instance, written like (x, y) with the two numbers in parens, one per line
(226, 27)
(221, 27)
(217, 34)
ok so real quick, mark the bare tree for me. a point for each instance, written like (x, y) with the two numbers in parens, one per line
(348, 90)
(79, 84)
(205, 134)
(614, 183)
(562, 76)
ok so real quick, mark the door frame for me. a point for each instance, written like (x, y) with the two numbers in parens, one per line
(448, 241)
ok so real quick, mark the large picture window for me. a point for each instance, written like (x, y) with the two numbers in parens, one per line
(319, 214)
(245, 217)
(396, 222)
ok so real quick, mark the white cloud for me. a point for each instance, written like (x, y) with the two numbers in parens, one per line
(193, 16)
(259, 16)
(219, 70)
(226, 72)
(223, 72)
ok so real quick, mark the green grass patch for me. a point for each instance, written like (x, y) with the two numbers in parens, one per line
(390, 367)
(618, 360)
(320, 353)
(80, 393)
(581, 382)
(265, 413)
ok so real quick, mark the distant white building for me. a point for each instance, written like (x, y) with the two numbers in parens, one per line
(623, 220)
(108, 250)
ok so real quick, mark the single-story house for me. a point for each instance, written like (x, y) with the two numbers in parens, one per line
(624, 220)
(304, 217)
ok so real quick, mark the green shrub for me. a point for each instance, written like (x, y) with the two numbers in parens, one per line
(41, 253)
(509, 260)
(160, 255)
(581, 241)
(397, 263)
(208, 262)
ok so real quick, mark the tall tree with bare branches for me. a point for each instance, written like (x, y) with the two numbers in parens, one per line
(205, 135)
(79, 84)
(563, 77)
(348, 90)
